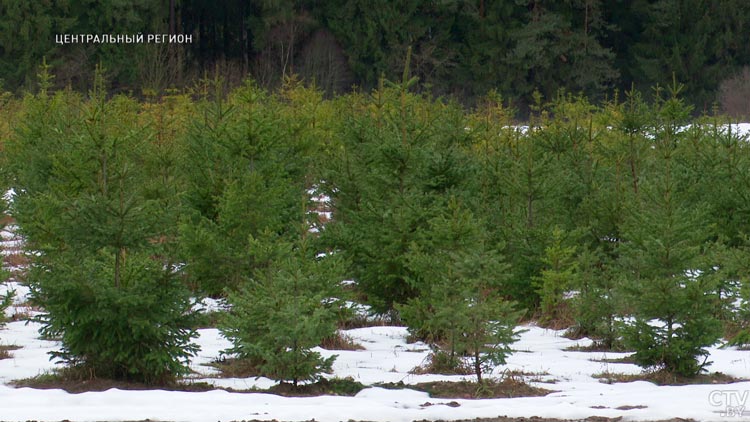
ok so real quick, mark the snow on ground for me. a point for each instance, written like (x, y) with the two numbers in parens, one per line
(740, 130)
(209, 305)
(20, 305)
(30, 360)
(541, 354)
(737, 129)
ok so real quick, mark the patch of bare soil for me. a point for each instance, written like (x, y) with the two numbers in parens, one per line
(340, 341)
(498, 419)
(237, 367)
(74, 381)
(529, 419)
(441, 363)
(538, 419)
(508, 387)
(75, 386)
(596, 347)
(5, 351)
(624, 359)
(332, 387)
(666, 378)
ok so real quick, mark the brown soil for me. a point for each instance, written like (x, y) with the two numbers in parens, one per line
(440, 364)
(665, 378)
(237, 368)
(624, 359)
(538, 419)
(5, 351)
(340, 341)
(529, 419)
(17, 259)
(96, 384)
(508, 387)
(596, 347)
(334, 387)
(6, 219)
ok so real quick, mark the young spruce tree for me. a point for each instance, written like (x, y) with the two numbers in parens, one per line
(6, 299)
(461, 309)
(559, 274)
(103, 275)
(400, 157)
(242, 167)
(285, 310)
(671, 292)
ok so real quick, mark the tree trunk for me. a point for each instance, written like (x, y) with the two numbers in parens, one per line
(172, 27)
(118, 265)
(477, 365)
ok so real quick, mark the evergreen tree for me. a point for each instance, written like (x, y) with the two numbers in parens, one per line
(716, 163)
(733, 304)
(401, 156)
(244, 173)
(672, 295)
(700, 43)
(139, 330)
(286, 310)
(590, 202)
(103, 276)
(460, 307)
(6, 300)
(559, 46)
(558, 276)
(378, 37)
(598, 302)
(518, 198)
(21, 26)
(486, 30)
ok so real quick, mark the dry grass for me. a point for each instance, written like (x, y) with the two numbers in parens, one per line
(5, 220)
(340, 341)
(364, 321)
(5, 351)
(23, 312)
(666, 378)
(539, 419)
(508, 387)
(78, 380)
(624, 359)
(332, 387)
(518, 419)
(562, 318)
(441, 363)
(16, 260)
(75, 380)
(530, 376)
(237, 367)
(597, 347)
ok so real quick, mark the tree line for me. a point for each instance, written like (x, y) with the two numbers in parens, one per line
(461, 49)
(626, 222)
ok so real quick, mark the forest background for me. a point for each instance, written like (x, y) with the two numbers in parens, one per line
(461, 49)
(611, 209)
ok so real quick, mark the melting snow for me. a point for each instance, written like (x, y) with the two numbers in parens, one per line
(541, 354)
